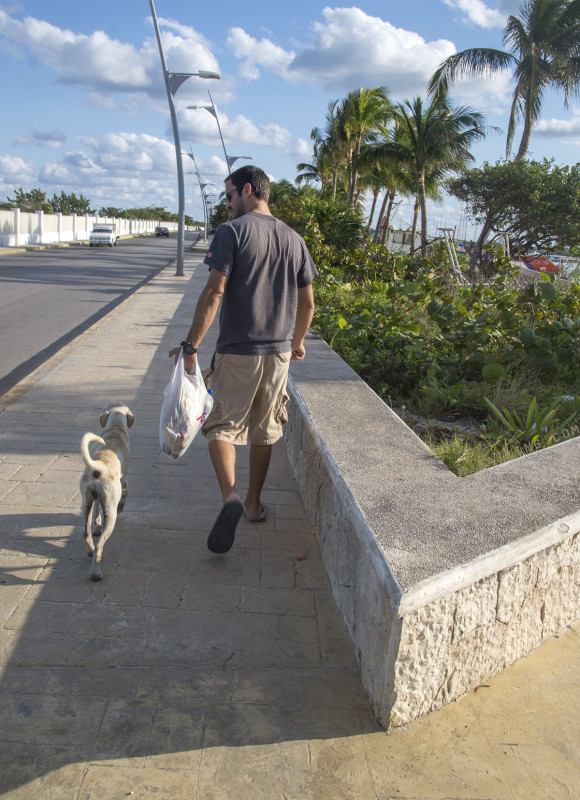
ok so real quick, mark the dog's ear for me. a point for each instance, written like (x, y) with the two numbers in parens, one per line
(130, 418)
(103, 417)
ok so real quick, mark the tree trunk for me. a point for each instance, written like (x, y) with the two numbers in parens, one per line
(377, 235)
(349, 173)
(423, 206)
(354, 170)
(475, 257)
(414, 225)
(334, 180)
(372, 211)
(385, 232)
(525, 140)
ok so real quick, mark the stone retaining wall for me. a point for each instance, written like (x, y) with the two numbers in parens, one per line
(442, 581)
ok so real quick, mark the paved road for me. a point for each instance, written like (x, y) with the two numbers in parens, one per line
(48, 297)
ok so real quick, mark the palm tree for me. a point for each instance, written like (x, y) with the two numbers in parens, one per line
(329, 156)
(431, 141)
(387, 172)
(433, 180)
(316, 170)
(371, 180)
(543, 50)
(282, 190)
(361, 113)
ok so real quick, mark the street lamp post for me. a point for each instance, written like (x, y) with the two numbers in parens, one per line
(230, 160)
(210, 203)
(173, 81)
(205, 199)
(201, 187)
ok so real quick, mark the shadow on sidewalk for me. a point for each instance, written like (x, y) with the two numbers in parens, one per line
(177, 651)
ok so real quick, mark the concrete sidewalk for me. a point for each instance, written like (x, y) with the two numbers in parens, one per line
(189, 676)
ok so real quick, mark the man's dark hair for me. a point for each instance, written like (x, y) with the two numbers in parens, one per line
(256, 177)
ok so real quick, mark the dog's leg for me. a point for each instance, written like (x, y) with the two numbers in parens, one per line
(98, 526)
(109, 501)
(124, 493)
(109, 519)
(88, 503)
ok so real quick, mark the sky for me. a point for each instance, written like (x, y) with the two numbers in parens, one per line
(84, 107)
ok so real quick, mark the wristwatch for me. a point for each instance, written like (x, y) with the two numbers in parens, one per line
(188, 348)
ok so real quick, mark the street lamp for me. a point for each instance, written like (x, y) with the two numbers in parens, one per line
(230, 160)
(205, 198)
(173, 81)
(201, 187)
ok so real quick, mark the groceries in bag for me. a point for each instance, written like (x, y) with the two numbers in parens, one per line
(185, 408)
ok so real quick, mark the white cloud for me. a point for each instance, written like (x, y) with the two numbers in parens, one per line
(566, 130)
(52, 139)
(478, 13)
(353, 49)
(124, 169)
(491, 95)
(258, 54)
(300, 150)
(16, 168)
(78, 59)
(128, 170)
(106, 66)
(127, 152)
(200, 126)
(350, 49)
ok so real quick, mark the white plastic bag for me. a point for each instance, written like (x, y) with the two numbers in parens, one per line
(185, 407)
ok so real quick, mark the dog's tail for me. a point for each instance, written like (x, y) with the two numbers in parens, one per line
(96, 466)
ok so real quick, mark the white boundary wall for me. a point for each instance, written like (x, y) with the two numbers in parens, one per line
(20, 228)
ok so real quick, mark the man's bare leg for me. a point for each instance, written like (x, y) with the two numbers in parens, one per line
(260, 455)
(223, 458)
(222, 535)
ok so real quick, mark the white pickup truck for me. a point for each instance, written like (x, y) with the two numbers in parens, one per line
(103, 234)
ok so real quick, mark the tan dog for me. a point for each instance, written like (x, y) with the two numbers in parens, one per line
(103, 484)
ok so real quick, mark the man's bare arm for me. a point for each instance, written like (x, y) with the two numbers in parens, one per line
(205, 312)
(304, 314)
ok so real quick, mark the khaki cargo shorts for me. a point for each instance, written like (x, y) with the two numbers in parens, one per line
(249, 398)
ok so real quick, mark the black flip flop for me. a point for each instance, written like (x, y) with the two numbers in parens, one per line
(223, 533)
(262, 516)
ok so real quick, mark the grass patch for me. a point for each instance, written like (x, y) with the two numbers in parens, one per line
(464, 455)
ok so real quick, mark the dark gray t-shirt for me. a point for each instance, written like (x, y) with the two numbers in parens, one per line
(266, 263)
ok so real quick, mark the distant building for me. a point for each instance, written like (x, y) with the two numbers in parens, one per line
(399, 241)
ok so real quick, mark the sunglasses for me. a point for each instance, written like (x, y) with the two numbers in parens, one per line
(238, 189)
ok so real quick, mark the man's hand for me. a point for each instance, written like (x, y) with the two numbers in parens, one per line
(298, 352)
(189, 362)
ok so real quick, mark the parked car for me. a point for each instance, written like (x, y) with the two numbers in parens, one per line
(103, 234)
(161, 231)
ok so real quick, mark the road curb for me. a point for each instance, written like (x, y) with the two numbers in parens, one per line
(31, 248)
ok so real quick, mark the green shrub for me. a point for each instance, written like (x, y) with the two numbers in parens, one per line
(421, 339)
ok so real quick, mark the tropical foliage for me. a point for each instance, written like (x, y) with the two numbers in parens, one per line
(327, 223)
(537, 203)
(432, 141)
(542, 50)
(369, 144)
(36, 200)
(431, 347)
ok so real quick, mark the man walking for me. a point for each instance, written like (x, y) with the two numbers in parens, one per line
(262, 273)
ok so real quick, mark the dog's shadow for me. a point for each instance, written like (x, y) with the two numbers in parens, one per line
(31, 544)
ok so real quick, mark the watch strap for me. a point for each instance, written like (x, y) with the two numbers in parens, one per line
(188, 348)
